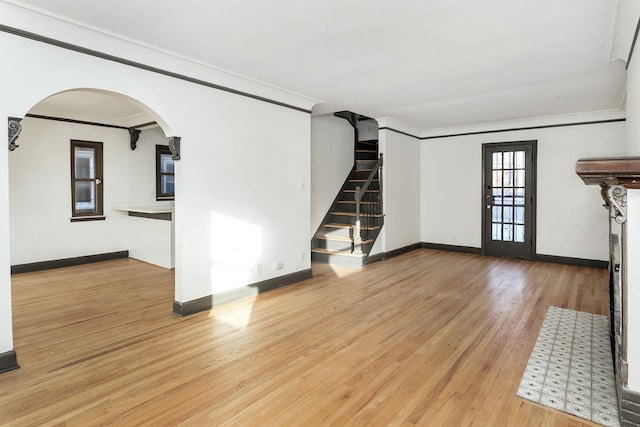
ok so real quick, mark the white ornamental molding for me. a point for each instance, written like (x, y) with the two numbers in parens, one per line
(14, 132)
(617, 199)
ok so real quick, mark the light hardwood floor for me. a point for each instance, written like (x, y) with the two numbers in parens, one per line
(428, 338)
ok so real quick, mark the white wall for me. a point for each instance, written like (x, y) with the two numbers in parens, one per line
(633, 290)
(242, 185)
(40, 190)
(6, 332)
(633, 228)
(151, 240)
(569, 222)
(402, 190)
(331, 162)
(367, 130)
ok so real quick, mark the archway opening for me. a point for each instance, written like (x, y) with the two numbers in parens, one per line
(84, 186)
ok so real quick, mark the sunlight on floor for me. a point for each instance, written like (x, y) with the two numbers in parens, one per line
(337, 270)
(238, 316)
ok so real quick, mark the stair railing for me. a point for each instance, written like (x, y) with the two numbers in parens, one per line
(372, 205)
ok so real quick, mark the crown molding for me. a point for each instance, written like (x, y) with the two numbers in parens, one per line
(27, 21)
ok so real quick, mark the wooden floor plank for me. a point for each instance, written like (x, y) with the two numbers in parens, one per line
(427, 338)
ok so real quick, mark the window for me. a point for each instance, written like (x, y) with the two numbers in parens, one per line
(164, 173)
(86, 180)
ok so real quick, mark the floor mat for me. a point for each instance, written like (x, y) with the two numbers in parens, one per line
(571, 369)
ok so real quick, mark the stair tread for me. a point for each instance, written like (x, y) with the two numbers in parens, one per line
(335, 238)
(354, 214)
(353, 202)
(339, 225)
(344, 253)
(368, 191)
(361, 180)
(342, 239)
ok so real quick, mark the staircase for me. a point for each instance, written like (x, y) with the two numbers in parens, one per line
(352, 224)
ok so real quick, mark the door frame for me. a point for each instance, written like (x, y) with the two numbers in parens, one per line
(534, 191)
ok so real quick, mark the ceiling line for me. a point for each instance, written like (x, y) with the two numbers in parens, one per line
(593, 122)
(482, 132)
(79, 49)
(633, 45)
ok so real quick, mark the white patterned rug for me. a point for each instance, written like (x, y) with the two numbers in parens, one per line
(571, 369)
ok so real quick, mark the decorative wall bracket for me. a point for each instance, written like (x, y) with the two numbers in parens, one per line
(15, 128)
(134, 134)
(614, 175)
(617, 195)
(174, 147)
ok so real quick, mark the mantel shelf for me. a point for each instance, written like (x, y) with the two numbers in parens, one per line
(606, 171)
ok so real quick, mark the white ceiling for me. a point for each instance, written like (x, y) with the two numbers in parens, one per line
(429, 63)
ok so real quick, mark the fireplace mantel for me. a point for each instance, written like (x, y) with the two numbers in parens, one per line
(607, 171)
(615, 175)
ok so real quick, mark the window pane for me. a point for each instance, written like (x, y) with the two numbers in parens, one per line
(497, 191)
(519, 215)
(507, 232)
(508, 201)
(519, 237)
(497, 200)
(85, 195)
(519, 201)
(508, 179)
(84, 162)
(167, 184)
(497, 160)
(507, 214)
(166, 163)
(519, 178)
(496, 232)
(519, 192)
(497, 179)
(508, 191)
(519, 160)
(497, 214)
(508, 160)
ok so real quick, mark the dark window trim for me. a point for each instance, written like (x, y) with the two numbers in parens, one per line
(88, 218)
(99, 213)
(160, 150)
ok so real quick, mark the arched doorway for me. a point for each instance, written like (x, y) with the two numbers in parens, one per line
(83, 188)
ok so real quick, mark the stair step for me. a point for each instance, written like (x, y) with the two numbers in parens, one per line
(342, 239)
(367, 151)
(343, 253)
(335, 238)
(368, 191)
(354, 214)
(369, 141)
(338, 225)
(353, 202)
(362, 180)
